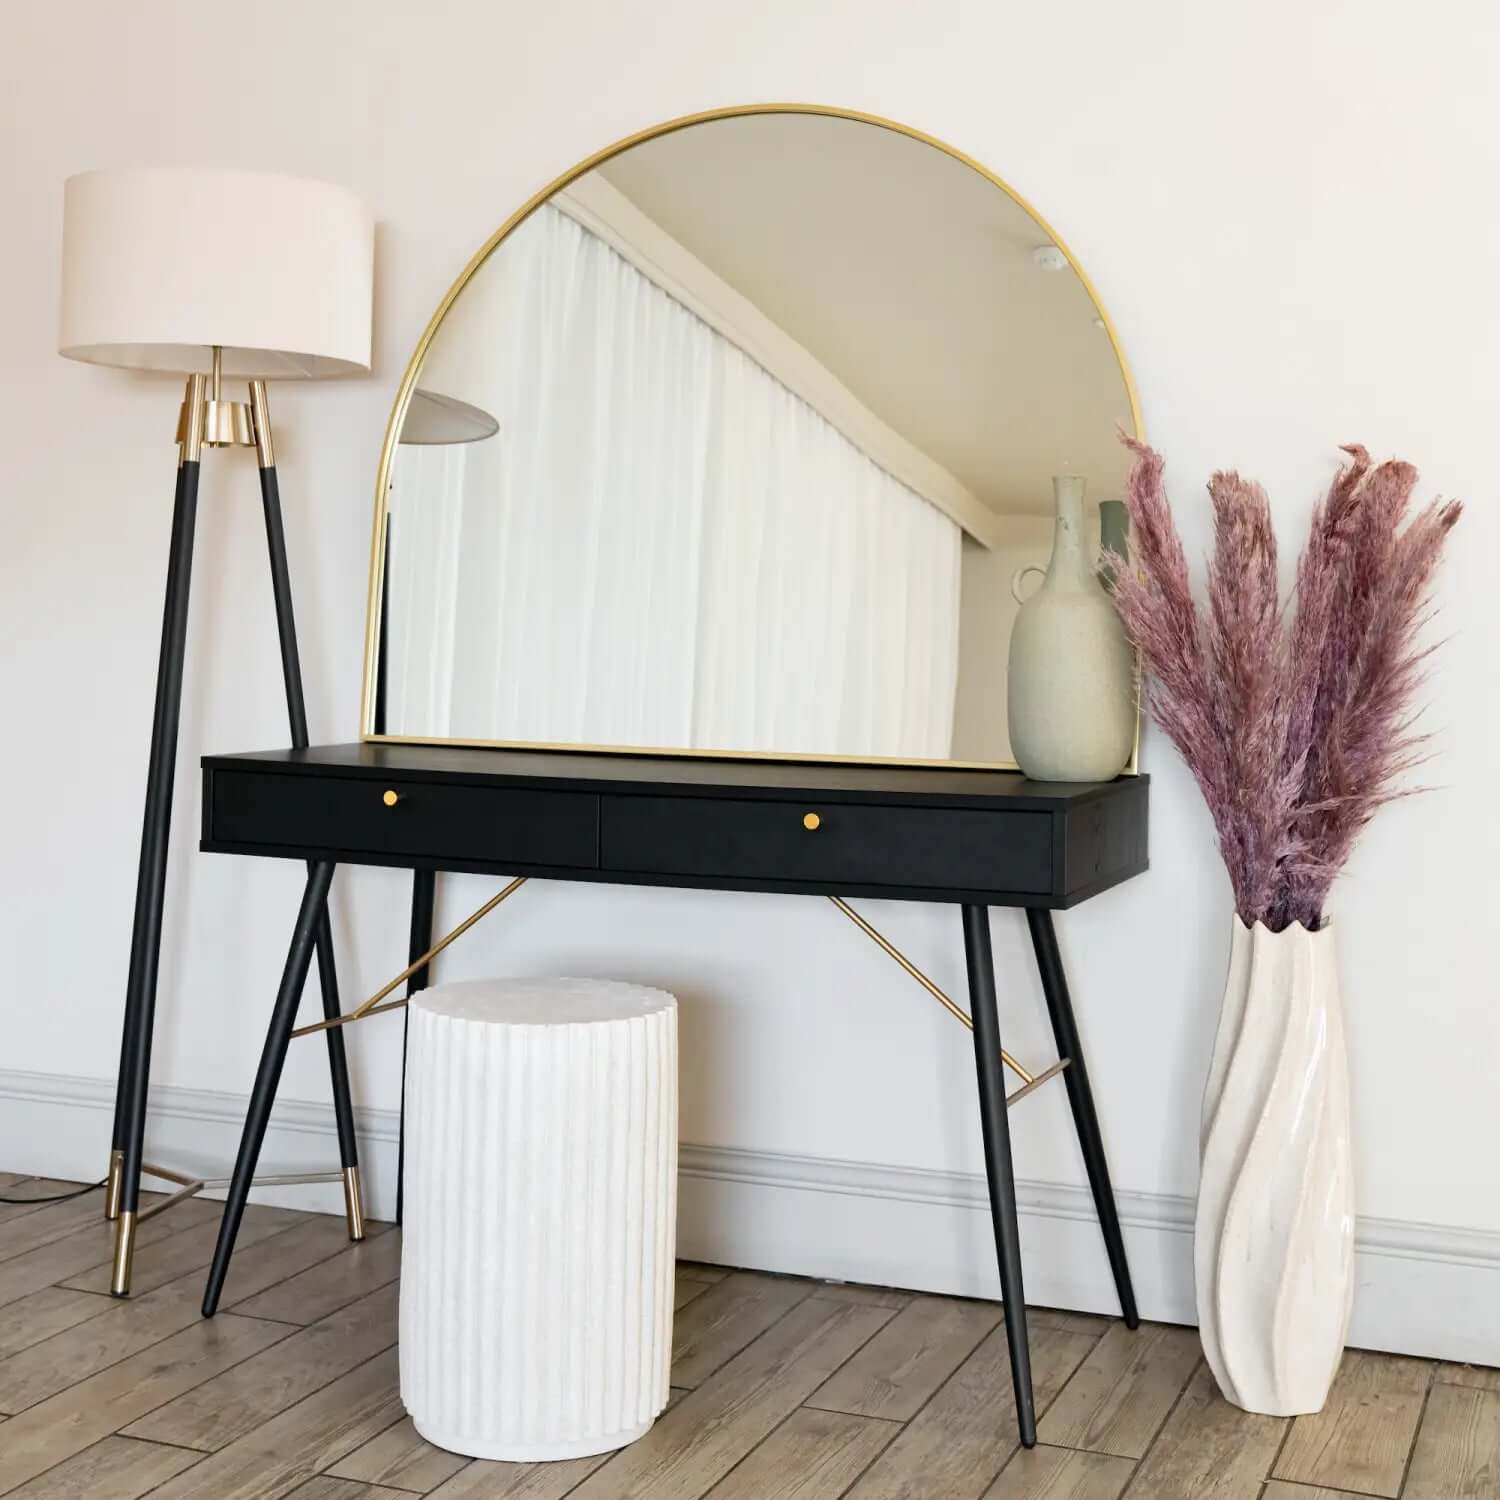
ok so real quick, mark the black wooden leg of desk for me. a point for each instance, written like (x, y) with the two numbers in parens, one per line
(995, 1124)
(423, 886)
(1081, 1098)
(268, 1076)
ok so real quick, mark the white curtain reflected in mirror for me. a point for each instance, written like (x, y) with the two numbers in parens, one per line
(719, 566)
(756, 422)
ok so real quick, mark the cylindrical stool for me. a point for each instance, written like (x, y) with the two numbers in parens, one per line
(540, 1215)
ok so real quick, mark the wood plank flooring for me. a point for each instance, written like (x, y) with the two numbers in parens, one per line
(783, 1389)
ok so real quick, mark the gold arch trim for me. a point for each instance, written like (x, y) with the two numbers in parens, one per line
(414, 366)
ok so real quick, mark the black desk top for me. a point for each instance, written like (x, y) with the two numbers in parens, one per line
(937, 786)
(907, 833)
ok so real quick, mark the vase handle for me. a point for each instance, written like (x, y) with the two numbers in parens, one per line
(1015, 583)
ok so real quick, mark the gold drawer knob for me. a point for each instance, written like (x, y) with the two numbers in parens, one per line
(390, 798)
(811, 821)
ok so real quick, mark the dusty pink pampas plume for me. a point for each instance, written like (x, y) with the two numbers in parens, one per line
(1296, 732)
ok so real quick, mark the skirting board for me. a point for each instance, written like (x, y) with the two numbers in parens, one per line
(1422, 1289)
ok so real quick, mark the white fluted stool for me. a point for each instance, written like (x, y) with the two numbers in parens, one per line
(540, 1215)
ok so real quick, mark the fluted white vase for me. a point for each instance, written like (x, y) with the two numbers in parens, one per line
(1274, 1247)
(539, 1233)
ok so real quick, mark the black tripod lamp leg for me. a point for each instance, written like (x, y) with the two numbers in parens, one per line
(423, 889)
(178, 567)
(151, 880)
(268, 1076)
(995, 1125)
(296, 707)
(1081, 1100)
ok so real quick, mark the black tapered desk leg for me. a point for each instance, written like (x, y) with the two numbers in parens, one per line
(995, 1124)
(328, 983)
(151, 887)
(1081, 1098)
(268, 1075)
(423, 885)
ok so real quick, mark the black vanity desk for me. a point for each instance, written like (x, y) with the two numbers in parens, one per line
(973, 838)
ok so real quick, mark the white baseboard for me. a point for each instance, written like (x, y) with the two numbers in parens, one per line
(1422, 1289)
(59, 1126)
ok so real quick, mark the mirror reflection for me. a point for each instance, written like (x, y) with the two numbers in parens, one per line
(733, 445)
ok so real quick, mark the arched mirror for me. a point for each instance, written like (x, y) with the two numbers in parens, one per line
(730, 443)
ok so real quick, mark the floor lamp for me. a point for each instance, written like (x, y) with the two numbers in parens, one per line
(216, 275)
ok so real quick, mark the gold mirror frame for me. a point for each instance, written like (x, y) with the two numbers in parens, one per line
(408, 386)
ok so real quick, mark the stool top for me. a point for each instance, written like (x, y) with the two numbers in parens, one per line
(542, 1002)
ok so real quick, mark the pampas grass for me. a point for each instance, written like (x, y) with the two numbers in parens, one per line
(1297, 730)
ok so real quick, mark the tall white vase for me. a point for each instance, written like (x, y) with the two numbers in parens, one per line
(1070, 683)
(1274, 1247)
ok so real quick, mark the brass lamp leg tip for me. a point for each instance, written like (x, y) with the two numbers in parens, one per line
(354, 1204)
(112, 1184)
(119, 1279)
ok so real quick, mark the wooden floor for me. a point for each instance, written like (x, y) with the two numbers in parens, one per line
(782, 1388)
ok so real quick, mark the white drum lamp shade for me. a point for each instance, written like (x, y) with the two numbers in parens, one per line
(162, 263)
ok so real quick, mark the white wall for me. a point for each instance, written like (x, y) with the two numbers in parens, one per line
(1290, 212)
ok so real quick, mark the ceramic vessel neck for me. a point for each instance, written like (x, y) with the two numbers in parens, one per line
(1069, 567)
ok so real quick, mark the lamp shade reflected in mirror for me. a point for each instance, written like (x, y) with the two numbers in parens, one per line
(731, 445)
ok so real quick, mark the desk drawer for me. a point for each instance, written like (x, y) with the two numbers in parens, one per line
(331, 814)
(850, 843)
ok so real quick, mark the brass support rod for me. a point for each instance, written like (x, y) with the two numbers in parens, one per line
(218, 370)
(192, 1188)
(167, 1174)
(363, 1015)
(368, 1007)
(193, 1185)
(278, 1179)
(1038, 1081)
(956, 1011)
